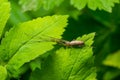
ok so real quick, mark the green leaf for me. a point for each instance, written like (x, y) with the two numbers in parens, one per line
(28, 5)
(69, 63)
(3, 73)
(94, 4)
(111, 74)
(113, 60)
(24, 42)
(35, 64)
(4, 14)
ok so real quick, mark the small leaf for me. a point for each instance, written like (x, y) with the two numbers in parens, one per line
(4, 14)
(3, 73)
(94, 4)
(69, 63)
(113, 60)
(23, 43)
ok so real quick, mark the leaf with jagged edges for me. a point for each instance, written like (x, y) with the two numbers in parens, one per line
(28, 41)
(28, 5)
(69, 63)
(113, 60)
(94, 4)
(4, 14)
(3, 73)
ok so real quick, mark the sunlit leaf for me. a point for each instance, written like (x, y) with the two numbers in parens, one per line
(69, 63)
(4, 14)
(94, 4)
(23, 43)
(3, 73)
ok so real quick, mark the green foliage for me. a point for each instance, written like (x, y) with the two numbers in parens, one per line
(17, 15)
(94, 4)
(35, 64)
(110, 75)
(4, 14)
(113, 60)
(36, 4)
(26, 54)
(30, 4)
(3, 73)
(69, 63)
(79, 4)
(16, 48)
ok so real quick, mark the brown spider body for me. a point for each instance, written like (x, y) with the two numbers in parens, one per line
(74, 43)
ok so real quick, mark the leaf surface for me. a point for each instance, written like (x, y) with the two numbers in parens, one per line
(3, 73)
(94, 4)
(113, 60)
(111, 75)
(4, 14)
(69, 63)
(25, 42)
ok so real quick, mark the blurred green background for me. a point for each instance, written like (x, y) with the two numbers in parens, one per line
(106, 25)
